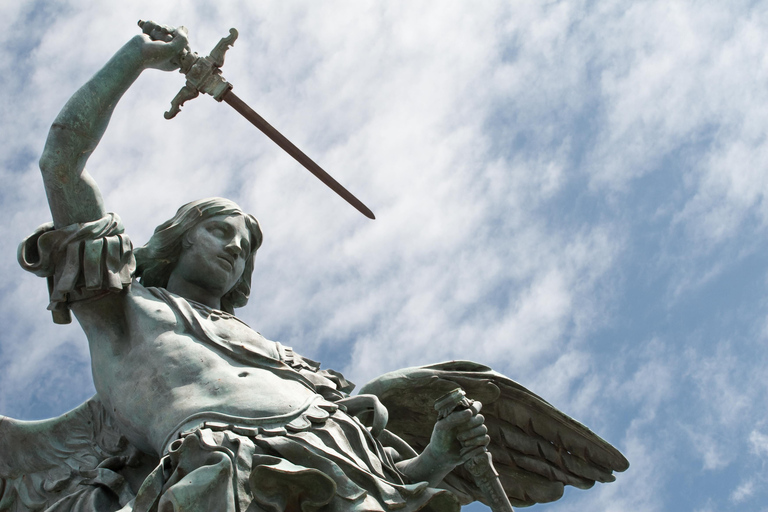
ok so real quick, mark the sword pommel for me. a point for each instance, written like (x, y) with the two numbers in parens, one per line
(449, 402)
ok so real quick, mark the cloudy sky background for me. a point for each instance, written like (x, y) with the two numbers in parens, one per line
(573, 193)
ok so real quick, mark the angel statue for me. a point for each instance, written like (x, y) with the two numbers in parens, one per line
(196, 411)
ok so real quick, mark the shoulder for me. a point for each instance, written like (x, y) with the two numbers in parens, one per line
(121, 314)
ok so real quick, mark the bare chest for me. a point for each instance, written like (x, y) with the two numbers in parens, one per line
(178, 364)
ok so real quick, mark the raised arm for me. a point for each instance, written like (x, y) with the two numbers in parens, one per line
(72, 193)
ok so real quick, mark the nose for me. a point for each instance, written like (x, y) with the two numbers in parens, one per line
(234, 248)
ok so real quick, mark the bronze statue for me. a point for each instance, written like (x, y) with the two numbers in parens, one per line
(196, 411)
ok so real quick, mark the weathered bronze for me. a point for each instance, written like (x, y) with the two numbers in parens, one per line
(480, 465)
(196, 412)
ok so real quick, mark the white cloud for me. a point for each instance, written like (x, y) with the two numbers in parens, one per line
(743, 492)
(506, 150)
(759, 443)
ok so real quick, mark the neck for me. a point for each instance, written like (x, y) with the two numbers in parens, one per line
(193, 292)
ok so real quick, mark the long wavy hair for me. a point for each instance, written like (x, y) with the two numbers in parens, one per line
(157, 258)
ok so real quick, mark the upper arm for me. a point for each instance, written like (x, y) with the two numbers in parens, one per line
(115, 317)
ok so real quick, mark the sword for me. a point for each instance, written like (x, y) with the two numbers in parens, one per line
(204, 75)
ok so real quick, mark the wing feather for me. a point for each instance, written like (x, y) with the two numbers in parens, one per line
(42, 462)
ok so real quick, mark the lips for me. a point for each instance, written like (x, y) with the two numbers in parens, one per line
(227, 258)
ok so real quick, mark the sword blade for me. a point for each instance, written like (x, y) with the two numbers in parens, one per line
(279, 139)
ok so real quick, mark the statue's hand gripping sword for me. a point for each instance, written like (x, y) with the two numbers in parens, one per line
(204, 75)
(481, 465)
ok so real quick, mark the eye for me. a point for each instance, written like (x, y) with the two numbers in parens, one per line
(218, 230)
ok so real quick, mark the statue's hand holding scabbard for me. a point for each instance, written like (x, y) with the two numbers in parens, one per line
(476, 459)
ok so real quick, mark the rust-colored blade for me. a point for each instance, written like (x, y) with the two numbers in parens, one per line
(288, 146)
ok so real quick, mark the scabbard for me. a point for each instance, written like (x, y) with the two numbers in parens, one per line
(487, 479)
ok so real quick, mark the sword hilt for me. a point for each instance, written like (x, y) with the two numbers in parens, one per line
(479, 466)
(203, 73)
(449, 402)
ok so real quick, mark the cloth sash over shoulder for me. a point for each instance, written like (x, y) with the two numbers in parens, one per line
(80, 261)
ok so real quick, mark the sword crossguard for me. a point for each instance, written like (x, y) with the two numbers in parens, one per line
(188, 92)
(203, 73)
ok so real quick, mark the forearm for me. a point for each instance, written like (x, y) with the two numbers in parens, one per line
(425, 468)
(87, 112)
(77, 130)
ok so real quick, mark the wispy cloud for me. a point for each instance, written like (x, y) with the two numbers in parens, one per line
(570, 192)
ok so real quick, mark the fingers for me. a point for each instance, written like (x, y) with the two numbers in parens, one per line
(157, 32)
(457, 418)
(461, 435)
(159, 54)
(469, 453)
(176, 38)
(470, 435)
(477, 442)
(180, 39)
(161, 33)
(473, 434)
(477, 419)
(469, 427)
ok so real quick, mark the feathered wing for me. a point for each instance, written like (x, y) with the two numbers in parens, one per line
(72, 462)
(536, 448)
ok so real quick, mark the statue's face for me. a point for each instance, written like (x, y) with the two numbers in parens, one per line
(214, 253)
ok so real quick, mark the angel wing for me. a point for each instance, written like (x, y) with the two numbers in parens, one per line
(78, 461)
(536, 448)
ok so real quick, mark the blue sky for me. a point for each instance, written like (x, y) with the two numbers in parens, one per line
(571, 192)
